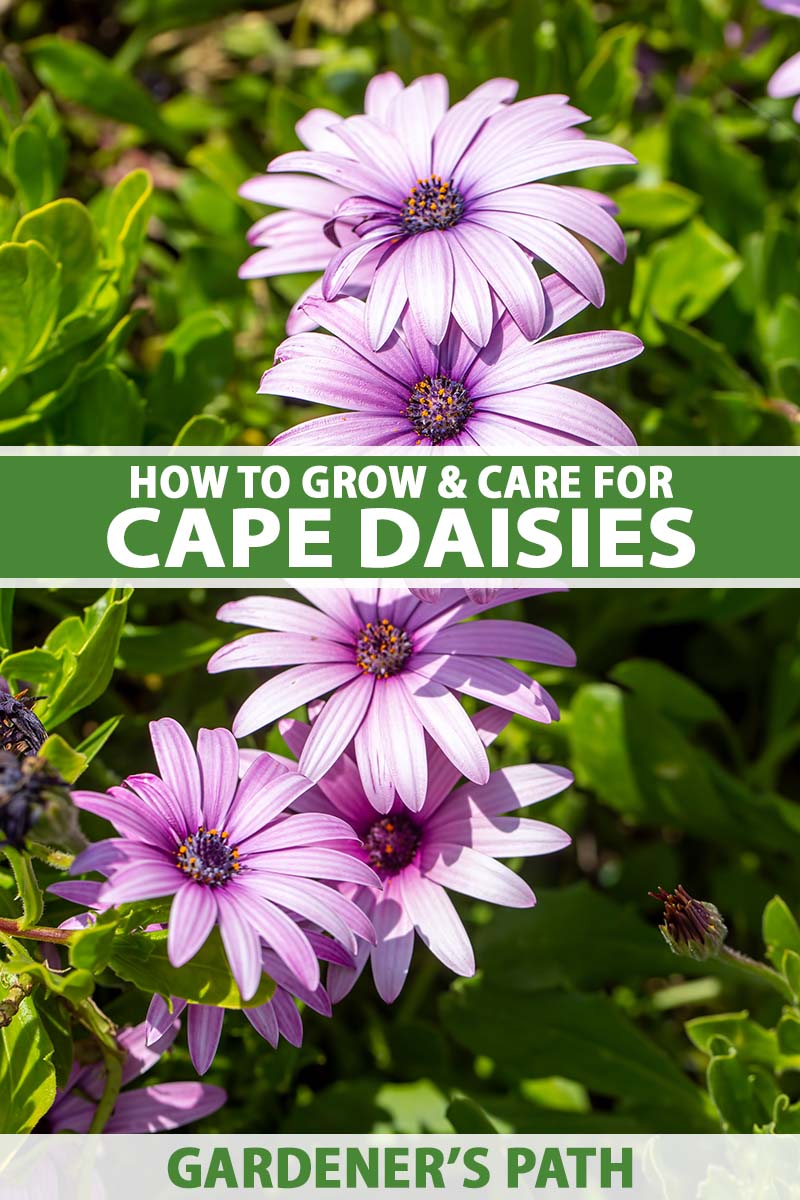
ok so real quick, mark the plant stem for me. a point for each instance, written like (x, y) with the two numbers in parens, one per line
(54, 858)
(757, 970)
(104, 1033)
(37, 933)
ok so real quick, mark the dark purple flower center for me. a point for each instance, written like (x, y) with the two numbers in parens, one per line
(382, 648)
(392, 842)
(438, 408)
(433, 203)
(208, 857)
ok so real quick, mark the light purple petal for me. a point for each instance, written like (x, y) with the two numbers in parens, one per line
(391, 957)
(218, 756)
(491, 680)
(241, 941)
(336, 726)
(279, 650)
(429, 277)
(517, 787)
(405, 744)
(437, 922)
(466, 870)
(163, 1106)
(509, 273)
(285, 616)
(177, 766)
(504, 639)
(265, 1022)
(371, 757)
(448, 725)
(141, 881)
(204, 1027)
(288, 691)
(786, 80)
(280, 932)
(192, 916)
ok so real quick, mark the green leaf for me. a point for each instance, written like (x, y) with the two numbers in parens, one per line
(125, 224)
(93, 744)
(789, 1034)
(669, 692)
(581, 938)
(732, 1092)
(6, 615)
(29, 296)
(91, 948)
(195, 367)
(78, 73)
(28, 888)
(74, 986)
(752, 1041)
(586, 1038)
(67, 232)
(56, 1020)
(780, 931)
(659, 207)
(69, 763)
(468, 1118)
(141, 959)
(92, 664)
(790, 966)
(27, 1075)
(610, 82)
(28, 163)
(203, 430)
(108, 411)
(681, 278)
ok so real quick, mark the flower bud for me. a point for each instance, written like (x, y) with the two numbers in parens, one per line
(26, 787)
(691, 928)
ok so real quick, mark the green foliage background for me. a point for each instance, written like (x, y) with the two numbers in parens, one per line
(681, 722)
(122, 316)
(122, 321)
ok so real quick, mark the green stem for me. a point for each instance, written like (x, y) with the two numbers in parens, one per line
(757, 970)
(27, 886)
(53, 858)
(37, 933)
(104, 1033)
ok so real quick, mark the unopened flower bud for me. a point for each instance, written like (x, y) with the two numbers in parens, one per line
(26, 787)
(691, 928)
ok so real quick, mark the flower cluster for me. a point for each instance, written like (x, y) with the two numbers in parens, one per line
(435, 231)
(347, 847)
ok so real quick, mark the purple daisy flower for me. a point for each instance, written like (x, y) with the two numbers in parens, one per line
(393, 664)
(227, 853)
(144, 1110)
(786, 80)
(470, 179)
(452, 842)
(413, 393)
(278, 1018)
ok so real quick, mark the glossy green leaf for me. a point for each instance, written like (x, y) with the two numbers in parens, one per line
(780, 930)
(69, 763)
(29, 299)
(141, 958)
(27, 1074)
(662, 206)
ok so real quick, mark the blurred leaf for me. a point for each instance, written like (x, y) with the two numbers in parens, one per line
(731, 1090)
(93, 744)
(69, 763)
(78, 73)
(468, 1118)
(196, 363)
(6, 617)
(109, 410)
(583, 1037)
(751, 1041)
(671, 693)
(659, 207)
(203, 431)
(780, 930)
(681, 278)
